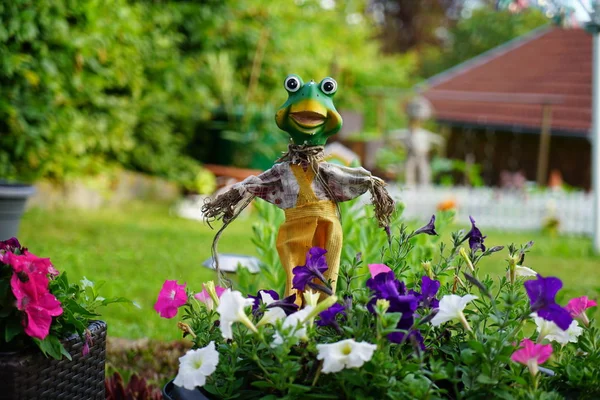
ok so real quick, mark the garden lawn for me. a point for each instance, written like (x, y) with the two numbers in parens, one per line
(135, 248)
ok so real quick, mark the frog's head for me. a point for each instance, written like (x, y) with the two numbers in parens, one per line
(309, 115)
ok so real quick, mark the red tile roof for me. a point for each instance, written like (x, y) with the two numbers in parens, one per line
(504, 88)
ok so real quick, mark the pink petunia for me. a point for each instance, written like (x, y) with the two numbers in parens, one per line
(170, 298)
(577, 306)
(39, 315)
(30, 263)
(532, 355)
(377, 269)
(205, 298)
(34, 298)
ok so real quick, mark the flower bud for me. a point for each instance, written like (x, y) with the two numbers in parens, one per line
(212, 292)
(186, 328)
(427, 267)
(381, 306)
(465, 256)
(311, 298)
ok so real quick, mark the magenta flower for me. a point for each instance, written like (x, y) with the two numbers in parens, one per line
(170, 298)
(10, 245)
(315, 267)
(39, 305)
(532, 355)
(376, 269)
(576, 307)
(30, 263)
(87, 343)
(542, 292)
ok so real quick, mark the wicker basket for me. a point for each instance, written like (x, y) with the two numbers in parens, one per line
(30, 375)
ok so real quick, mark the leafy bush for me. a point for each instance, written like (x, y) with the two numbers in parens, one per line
(87, 84)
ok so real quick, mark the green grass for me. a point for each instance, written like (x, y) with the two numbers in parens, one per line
(135, 248)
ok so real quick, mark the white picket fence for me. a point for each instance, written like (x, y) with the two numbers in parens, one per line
(504, 210)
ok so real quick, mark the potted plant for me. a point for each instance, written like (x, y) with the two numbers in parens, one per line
(13, 197)
(51, 343)
(401, 329)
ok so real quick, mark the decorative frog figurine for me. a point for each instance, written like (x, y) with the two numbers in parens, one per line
(302, 184)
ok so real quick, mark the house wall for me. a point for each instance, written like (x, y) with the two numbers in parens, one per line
(496, 151)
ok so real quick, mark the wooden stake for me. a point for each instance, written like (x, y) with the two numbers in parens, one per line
(544, 149)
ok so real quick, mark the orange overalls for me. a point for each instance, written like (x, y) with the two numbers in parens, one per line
(312, 222)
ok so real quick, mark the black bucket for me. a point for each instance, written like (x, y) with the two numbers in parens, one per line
(172, 392)
(13, 197)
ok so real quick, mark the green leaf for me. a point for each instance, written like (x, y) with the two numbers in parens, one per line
(477, 346)
(52, 347)
(12, 329)
(112, 300)
(262, 384)
(486, 380)
(75, 307)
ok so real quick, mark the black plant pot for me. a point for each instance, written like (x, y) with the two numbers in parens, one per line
(13, 197)
(172, 392)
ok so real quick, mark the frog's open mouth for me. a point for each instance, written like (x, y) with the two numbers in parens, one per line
(308, 119)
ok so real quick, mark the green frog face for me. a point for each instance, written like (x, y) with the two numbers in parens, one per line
(309, 115)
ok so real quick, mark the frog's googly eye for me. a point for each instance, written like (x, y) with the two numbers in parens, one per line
(328, 86)
(292, 84)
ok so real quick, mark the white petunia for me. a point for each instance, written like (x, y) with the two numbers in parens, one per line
(549, 330)
(196, 365)
(293, 325)
(272, 315)
(344, 354)
(232, 309)
(451, 308)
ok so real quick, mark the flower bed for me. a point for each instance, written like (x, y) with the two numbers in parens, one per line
(413, 325)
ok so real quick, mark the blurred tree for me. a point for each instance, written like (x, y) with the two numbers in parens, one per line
(409, 24)
(484, 30)
(86, 85)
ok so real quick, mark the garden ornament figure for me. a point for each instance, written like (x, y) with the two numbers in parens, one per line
(418, 142)
(302, 184)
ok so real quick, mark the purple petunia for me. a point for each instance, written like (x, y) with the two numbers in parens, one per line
(413, 334)
(287, 304)
(542, 293)
(475, 237)
(385, 286)
(328, 317)
(258, 299)
(428, 229)
(315, 266)
(429, 288)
